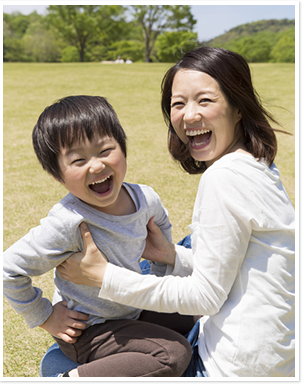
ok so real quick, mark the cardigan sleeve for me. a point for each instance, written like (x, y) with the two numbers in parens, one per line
(221, 230)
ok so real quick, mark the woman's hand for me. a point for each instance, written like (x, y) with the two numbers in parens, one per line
(65, 323)
(87, 267)
(158, 249)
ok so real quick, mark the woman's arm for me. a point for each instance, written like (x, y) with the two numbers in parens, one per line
(221, 231)
(88, 266)
(158, 249)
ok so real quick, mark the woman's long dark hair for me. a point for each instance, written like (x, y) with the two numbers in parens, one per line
(232, 73)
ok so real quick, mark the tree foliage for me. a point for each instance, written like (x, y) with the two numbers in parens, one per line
(284, 49)
(171, 46)
(140, 32)
(41, 44)
(271, 26)
(156, 19)
(265, 45)
(82, 26)
(14, 27)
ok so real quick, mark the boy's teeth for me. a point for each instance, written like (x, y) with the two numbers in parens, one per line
(197, 132)
(100, 181)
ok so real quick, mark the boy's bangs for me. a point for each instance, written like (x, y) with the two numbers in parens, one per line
(80, 131)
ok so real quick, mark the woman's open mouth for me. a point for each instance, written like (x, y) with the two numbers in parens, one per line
(198, 138)
(102, 186)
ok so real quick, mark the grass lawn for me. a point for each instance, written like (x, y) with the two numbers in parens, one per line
(134, 92)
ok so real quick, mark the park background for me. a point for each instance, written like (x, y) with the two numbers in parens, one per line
(134, 92)
(150, 33)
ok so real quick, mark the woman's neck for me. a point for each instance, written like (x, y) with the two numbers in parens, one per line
(237, 145)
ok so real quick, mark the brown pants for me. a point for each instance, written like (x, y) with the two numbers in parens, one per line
(133, 348)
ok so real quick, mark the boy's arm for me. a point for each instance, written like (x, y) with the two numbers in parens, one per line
(42, 249)
(25, 299)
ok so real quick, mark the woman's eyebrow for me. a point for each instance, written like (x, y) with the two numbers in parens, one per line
(200, 93)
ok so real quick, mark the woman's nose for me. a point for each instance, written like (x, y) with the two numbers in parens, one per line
(96, 165)
(192, 114)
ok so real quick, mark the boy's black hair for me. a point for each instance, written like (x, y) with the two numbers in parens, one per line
(73, 119)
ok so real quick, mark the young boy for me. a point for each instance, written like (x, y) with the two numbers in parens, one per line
(80, 141)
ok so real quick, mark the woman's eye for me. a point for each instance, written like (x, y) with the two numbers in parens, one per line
(205, 100)
(176, 104)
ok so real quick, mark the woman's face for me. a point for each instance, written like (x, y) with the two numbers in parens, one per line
(201, 115)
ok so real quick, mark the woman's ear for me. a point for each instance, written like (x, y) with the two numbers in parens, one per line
(238, 115)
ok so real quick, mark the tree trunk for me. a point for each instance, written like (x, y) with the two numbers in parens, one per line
(81, 55)
(147, 51)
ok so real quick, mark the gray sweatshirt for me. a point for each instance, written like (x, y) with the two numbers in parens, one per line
(120, 238)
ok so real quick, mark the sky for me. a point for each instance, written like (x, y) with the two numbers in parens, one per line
(212, 20)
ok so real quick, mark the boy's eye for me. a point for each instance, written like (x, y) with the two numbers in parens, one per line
(78, 160)
(105, 151)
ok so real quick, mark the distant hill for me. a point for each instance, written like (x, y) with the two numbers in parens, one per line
(249, 29)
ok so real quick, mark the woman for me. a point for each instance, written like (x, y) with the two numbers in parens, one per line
(240, 271)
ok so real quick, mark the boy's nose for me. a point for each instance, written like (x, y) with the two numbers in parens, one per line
(96, 165)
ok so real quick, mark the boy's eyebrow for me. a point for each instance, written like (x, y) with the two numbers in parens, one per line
(77, 146)
(70, 150)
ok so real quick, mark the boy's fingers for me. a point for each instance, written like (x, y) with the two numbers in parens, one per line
(66, 338)
(75, 315)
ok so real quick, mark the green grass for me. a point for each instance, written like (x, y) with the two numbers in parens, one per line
(134, 92)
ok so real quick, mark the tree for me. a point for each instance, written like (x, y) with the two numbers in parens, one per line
(284, 50)
(255, 48)
(83, 26)
(173, 45)
(127, 49)
(17, 23)
(156, 19)
(41, 45)
(15, 26)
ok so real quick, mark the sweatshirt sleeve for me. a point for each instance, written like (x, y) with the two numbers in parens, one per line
(42, 249)
(221, 230)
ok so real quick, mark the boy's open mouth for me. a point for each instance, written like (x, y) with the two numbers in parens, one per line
(199, 137)
(101, 186)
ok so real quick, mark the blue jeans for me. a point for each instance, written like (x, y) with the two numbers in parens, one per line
(54, 361)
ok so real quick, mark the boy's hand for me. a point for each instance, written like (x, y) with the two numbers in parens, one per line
(87, 267)
(158, 249)
(65, 323)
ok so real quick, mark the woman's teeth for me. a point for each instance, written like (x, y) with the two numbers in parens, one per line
(197, 138)
(196, 132)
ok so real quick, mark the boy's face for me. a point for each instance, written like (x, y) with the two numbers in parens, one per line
(94, 172)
